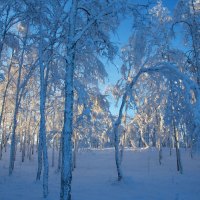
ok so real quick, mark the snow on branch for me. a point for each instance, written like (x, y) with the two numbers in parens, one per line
(91, 22)
(169, 70)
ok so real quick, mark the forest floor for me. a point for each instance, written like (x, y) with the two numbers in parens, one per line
(95, 177)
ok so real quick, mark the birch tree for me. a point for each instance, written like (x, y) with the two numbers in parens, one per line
(17, 102)
(72, 41)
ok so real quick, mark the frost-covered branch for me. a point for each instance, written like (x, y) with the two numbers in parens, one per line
(168, 70)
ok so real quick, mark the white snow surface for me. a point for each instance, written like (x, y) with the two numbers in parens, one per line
(95, 177)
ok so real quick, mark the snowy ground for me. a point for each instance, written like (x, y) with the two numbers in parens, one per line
(95, 178)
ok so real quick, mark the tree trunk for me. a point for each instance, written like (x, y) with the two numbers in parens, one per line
(39, 151)
(42, 150)
(24, 146)
(3, 138)
(154, 137)
(4, 103)
(178, 155)
(66, 167)
(59, 155)
(160, 151)
(53, 153)
(144, 143)
(13, 138)
(75, 150)
(17, 103)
